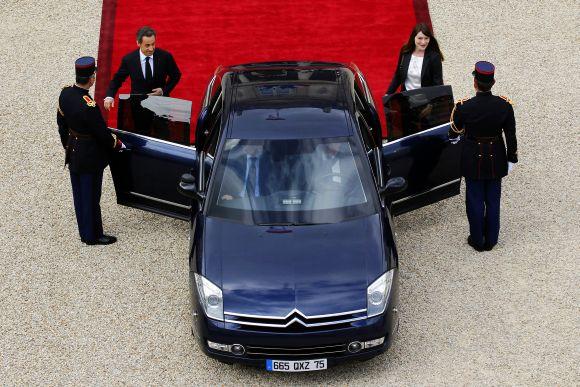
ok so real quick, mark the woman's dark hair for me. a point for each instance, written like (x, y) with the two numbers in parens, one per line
(409, 47)
(145, 31)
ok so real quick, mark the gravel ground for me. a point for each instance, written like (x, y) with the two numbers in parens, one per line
(71, 314)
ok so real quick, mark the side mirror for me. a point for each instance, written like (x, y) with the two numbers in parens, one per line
(188, 188)
(394, 186)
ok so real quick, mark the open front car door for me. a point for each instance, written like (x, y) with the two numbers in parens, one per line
(156, 131)
(418, 148)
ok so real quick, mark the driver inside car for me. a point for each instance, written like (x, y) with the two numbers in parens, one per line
(333, 176)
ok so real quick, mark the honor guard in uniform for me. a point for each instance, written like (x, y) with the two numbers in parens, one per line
(484, 158)
(88, 146)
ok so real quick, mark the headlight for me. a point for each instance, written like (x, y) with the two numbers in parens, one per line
(378, 294)
(210, 298)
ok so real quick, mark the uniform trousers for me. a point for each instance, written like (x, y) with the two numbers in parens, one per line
(86, 189)
(482, 202)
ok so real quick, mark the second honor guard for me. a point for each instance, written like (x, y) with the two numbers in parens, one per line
(484, 158)
(88, 145)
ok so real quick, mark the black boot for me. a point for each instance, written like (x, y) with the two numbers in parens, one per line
(103, 240)
(488, 247)
(472, 244)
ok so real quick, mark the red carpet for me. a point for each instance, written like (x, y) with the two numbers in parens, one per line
(204, 34)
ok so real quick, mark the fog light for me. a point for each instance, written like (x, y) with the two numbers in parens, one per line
(355, 346)
(374, 343)
(218, 346)
(213, 300)
(237, 349)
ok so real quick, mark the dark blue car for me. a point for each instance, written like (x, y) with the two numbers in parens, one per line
(289, 190)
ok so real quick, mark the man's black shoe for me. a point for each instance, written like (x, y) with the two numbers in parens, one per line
(104, 240)
(472, 244)
(488, 247)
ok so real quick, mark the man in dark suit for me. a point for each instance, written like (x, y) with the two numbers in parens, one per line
(152, 71)
(484, 158)
(88, 145)
(248, 173)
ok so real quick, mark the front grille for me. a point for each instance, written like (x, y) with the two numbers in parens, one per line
(328, 350)
(295, 321)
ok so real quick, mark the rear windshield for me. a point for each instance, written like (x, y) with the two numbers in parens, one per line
(292, 181)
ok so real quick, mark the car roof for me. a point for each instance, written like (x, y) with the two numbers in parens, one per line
(278, 100)
(288, 65)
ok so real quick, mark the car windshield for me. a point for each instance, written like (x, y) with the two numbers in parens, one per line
(291, 182)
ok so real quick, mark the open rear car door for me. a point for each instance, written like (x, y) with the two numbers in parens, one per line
(156, 131)
(418, 148)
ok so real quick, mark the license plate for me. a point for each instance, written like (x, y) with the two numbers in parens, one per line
(295, 365)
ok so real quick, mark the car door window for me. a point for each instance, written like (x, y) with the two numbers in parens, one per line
(417, 110)
(368, 140)
(213, 122)
(369, 145)
(368, 111)
(209, 120)
(159, 117)
(210, 130)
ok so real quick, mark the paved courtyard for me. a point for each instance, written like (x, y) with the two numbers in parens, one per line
(72, 314)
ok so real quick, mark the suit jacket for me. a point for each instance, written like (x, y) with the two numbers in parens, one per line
(83, 131)
(166, 74)
(431, 71)
(235, 175)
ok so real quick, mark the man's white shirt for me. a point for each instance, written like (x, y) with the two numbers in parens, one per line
(335, 168)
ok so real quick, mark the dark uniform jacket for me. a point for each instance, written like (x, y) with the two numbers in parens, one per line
(431, 71)
(83, 132)
(166, 74)
(482, 119)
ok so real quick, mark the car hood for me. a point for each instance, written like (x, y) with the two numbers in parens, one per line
(315, 269)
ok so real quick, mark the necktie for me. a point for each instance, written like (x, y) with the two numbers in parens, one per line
(252, 178)
(148, 72)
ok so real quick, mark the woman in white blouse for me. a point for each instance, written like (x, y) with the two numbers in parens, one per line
(419, 63)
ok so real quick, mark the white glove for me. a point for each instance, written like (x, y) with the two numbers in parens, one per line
(123, 146)
(108, 103)
(510, 166)
(455, 140)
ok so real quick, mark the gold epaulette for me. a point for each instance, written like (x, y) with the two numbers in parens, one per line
(506, 99)
(454, 128)
(89, 101)
(65, 86)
